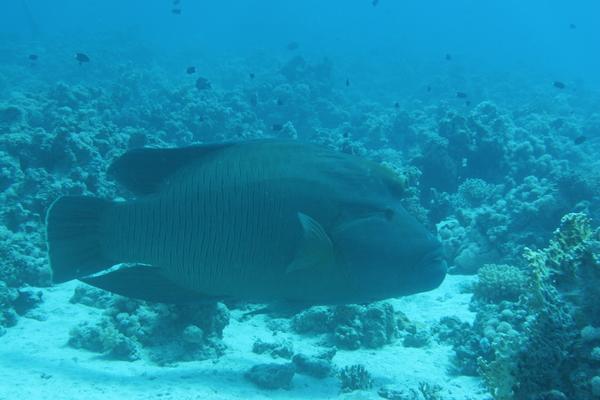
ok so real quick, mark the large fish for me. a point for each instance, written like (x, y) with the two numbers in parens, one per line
(259, 221)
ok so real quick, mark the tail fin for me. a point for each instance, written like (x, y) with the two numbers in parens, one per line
(73, 225)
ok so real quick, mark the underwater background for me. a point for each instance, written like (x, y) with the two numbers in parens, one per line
(489, 112)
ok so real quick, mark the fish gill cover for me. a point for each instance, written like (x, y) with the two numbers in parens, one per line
(474, 124)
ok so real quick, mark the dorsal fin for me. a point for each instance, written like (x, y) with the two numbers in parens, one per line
(144, 170)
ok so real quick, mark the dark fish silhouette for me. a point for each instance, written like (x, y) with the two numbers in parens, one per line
(251, 75)
(347, 82)
(176, 11)
(33, 57)
(277, 127)
(579, 139)
(176, 2)
(190, 70)
(468, 103)
(396, 105)
(448, 57)
(256, 221)
(559, 85)
(292, 46)
(461, 95)
(428, 88)
(82, 58)
(375, 2)
(572, 26)
(202, 84)
(280, 101)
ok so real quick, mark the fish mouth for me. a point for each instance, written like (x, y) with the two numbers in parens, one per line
(431, 270)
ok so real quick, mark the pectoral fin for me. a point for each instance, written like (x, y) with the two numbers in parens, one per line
(315, 249)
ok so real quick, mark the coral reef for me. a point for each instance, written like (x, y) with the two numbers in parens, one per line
(282, 349)
(350, 326)
(533, 316)
(318, 367)
(130, 329)
(271, 376)
(500, 282)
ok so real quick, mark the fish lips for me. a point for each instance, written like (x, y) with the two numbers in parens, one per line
(382, 265)
(430, 271)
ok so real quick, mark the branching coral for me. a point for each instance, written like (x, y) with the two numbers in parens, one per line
(355, 377)
(548, 335)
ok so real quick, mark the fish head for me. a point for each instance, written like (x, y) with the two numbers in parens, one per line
(387, 253)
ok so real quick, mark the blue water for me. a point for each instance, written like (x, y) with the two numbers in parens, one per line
(487, 111)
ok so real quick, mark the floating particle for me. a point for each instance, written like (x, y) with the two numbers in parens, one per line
(292, 46)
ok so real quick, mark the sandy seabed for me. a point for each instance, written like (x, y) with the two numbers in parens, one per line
(36, 363)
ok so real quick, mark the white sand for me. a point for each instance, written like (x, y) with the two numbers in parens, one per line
(36, 363)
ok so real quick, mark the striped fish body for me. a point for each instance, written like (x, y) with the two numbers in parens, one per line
(227, 226)
(258, 221)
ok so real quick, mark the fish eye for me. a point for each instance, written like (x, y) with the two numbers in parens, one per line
(389, 214)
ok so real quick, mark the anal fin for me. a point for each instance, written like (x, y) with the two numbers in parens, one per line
(145, 283)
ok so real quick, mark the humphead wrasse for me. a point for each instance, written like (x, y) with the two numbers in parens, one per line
(258, 221)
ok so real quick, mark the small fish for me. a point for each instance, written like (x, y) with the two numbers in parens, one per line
(202, 84)
(428, 88)
(33, 57)
(251, 75)
(572, 26)
(579, 139)
(277, 127)
(347, 82)
(559, 85)
(190, 70)
(176, 11)
(82, 58)
(461, 95)
(448, 57)
(468, 103)
(280, 101)
(396, 105)
(291, 46)
(176, 2)
(375, 2)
